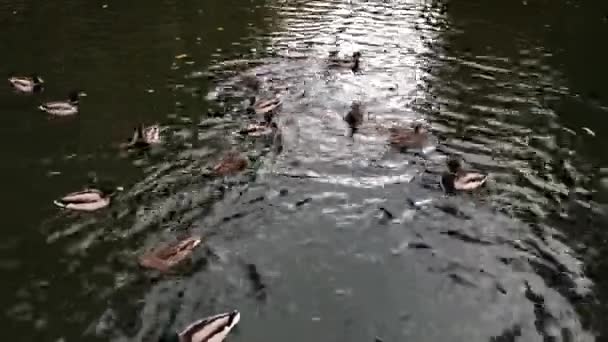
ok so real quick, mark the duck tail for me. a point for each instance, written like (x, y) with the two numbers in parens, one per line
(59, 203)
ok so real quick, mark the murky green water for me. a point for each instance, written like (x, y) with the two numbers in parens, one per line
(331, 223)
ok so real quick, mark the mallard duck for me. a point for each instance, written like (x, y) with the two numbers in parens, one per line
(354, 118)
(457, 179)
(352, 63)
(232, 162)
(265, 107)
(29, 84)
(166, 257)
(210, 329)
(405, 138)
(87, 200)
(62, 108)
(250, 82)
(259, 129)
(144, 137)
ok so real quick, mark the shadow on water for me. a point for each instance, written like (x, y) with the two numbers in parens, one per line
(336, 236)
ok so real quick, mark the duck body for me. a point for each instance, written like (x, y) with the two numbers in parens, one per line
(62, 108)
(232, 163)
(167, 257)
(354, 117)
(353, 63)
(259, 129)
(210, 329)
(457, 179)
(404, 138)
(29, 84)
(86, 200)
(264, 107)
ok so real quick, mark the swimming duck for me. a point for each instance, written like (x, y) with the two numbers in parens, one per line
(354, 118)
(29, 84)
(352, 63)
(166, 257)
(232, 162)
(250, 82)
(457, 179)
(144, 137)
(87, 200)
(260, 129)
(210, 329)
(405, 138)
(265, 107)
(62, 108)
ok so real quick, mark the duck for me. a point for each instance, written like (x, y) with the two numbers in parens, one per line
(231, 163)
(90, 199)
(405, 138)
(265, 107)
(144, 137)
(353, 63)
(164, 258)
(209, 329)
(250, 82)
(457, 179)
(62, 108)
(26, 84)
(354, 117)
(260, 129)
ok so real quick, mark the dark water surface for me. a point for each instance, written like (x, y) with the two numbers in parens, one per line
(334, 238)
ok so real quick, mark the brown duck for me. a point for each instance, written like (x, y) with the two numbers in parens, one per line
(231, 163)
(264, 107)
(87, 200)
(405, 138)
(166, 257)
(259, 129)
(457, 179)
(354, 117)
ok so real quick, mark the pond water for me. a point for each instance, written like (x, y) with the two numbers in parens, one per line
(331, 237)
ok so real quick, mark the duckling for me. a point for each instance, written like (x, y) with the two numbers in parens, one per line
(404, 138)
(30, 84)
(352, 63)
(144, 137)
(62, 108)
(210, 329)
(458, 179)
(166, 257)
(232, 162)
(354, 118)
(87, 200)
(265, 107)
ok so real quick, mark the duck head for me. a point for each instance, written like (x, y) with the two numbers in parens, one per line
(37, 79)
(107, 187)
(419, 129)
(356, 61)
(454, 165)
(74, 97)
